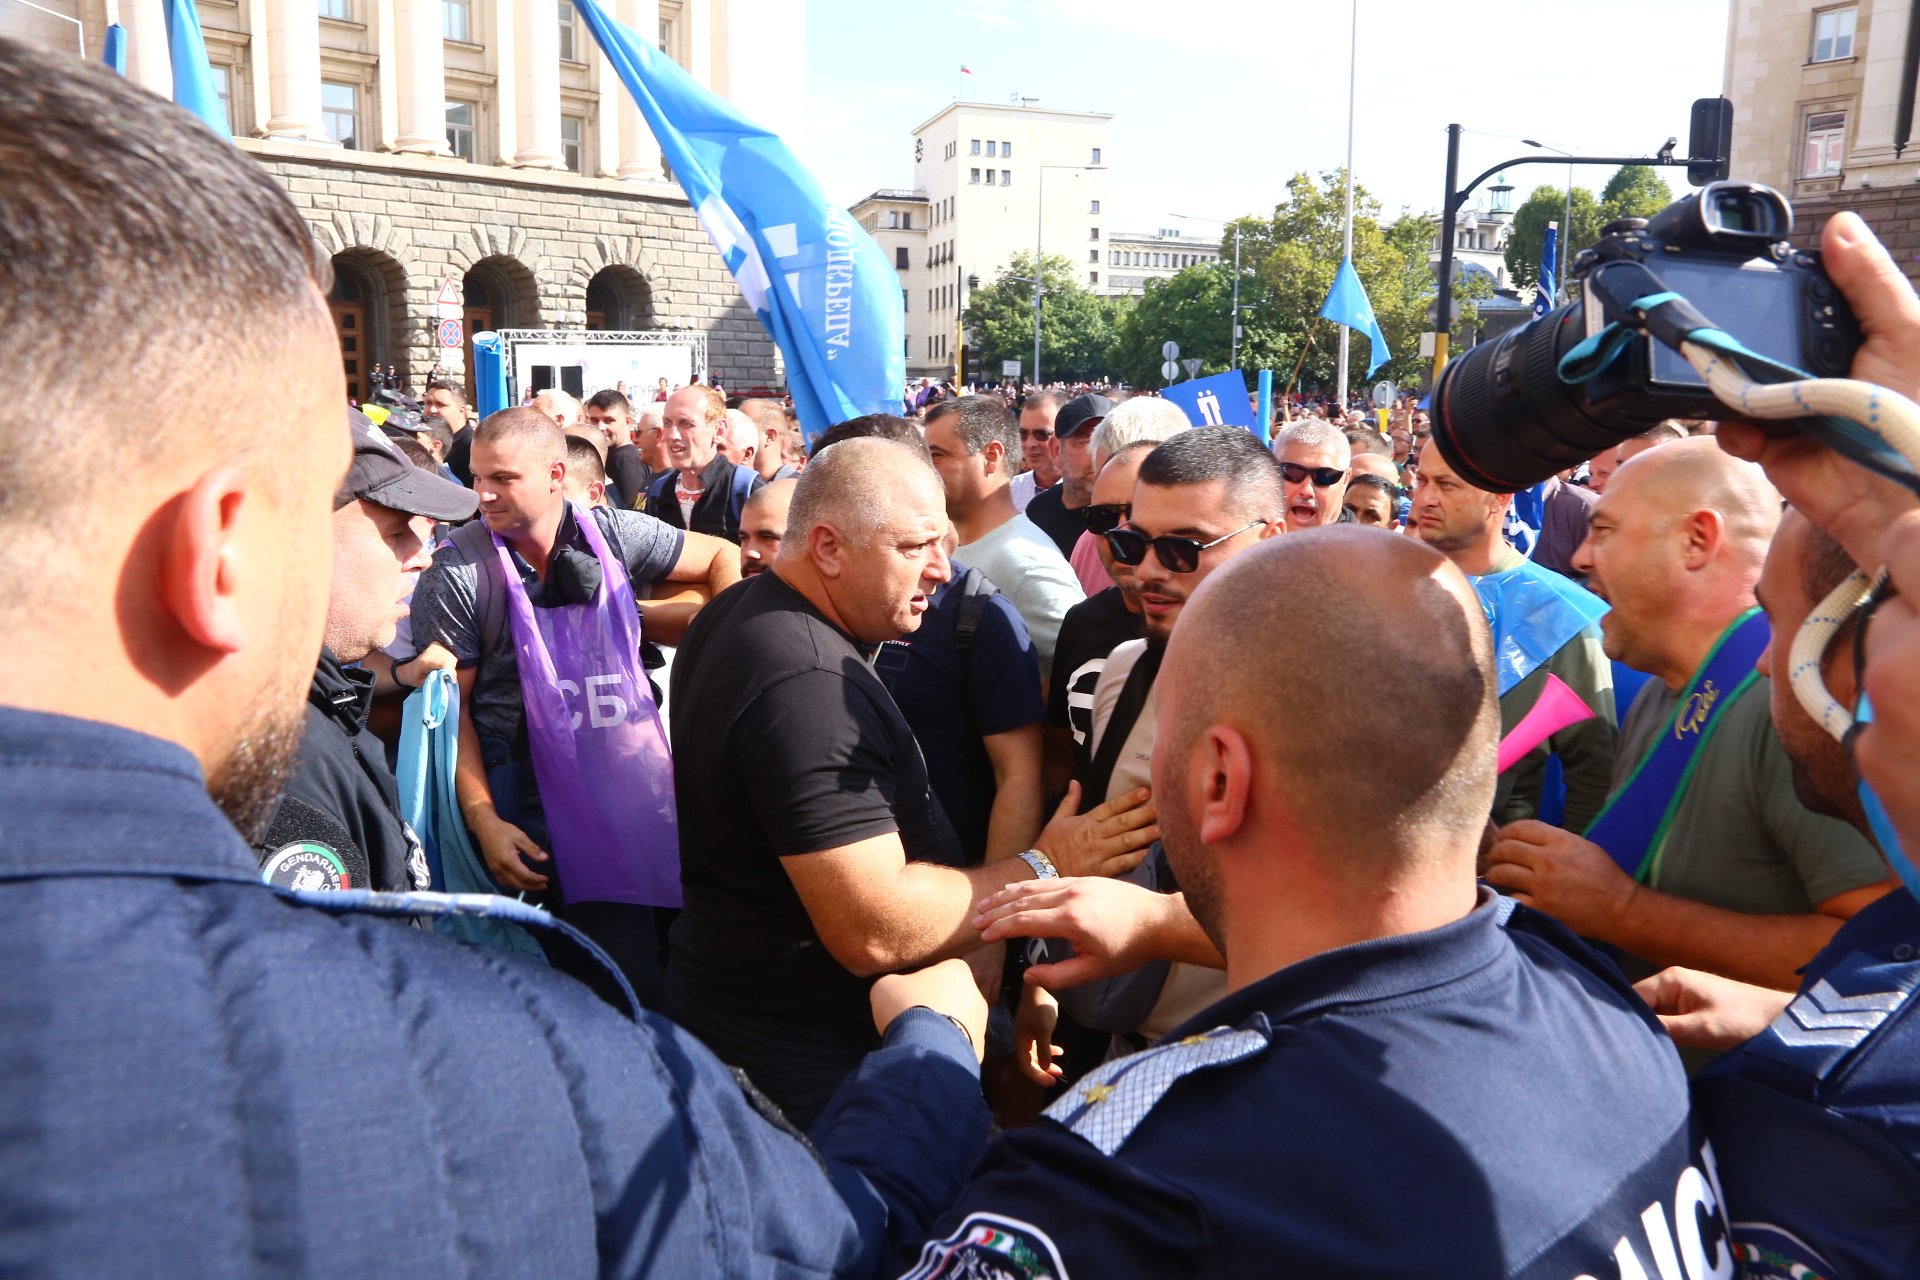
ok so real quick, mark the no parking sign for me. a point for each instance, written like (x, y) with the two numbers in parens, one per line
(449, 333)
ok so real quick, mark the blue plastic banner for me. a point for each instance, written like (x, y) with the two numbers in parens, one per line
(114, 51)
(826, 293)
(1549, 274)
(1347, 304)
(193, 86)
(1216, 401)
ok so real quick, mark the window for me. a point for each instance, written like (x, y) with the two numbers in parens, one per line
(572, 130)
(1093, 277)
(1006, 150)
(900, 261)
(903, 299)
(567, 51)
(462, 117)
(1095, 208)
(973, 176)
(975, 150)
(456, 20)
(1096, 156)
(1826, 138)
(1093, 233)
(906, 220)
(993, 148)
(1006, 177)
(340, 111)
(990, 177)
(338, 9)
(223, 87)
(1093, 255)
(1833, 35)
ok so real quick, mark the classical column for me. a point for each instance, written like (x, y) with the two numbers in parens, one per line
(293, 70)
(148, 63)
(422, 71)
(639, 153)
(537, 84)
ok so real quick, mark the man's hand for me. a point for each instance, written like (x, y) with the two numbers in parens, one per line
(1109, 840)
(435, 657)
(946, 988)
(1887, 747)
(1707, 1011)
(1034, 1051)
(1571, 879)
(502, 844)
(1846, 500)
(1110, 923)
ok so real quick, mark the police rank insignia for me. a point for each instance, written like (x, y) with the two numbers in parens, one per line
(1110, 1102)
(988, 1246)
(306, 865)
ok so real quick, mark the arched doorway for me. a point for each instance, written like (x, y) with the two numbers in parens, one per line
(499, 293)
(619, 298)
(368, 311)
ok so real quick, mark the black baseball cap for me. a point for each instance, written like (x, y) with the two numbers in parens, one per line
(381, 473)
(1078, 412)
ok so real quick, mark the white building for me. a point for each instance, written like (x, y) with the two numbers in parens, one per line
(1134, 259)
(482, 140)
(1480, 235)
(897, 221)
(1001, 180)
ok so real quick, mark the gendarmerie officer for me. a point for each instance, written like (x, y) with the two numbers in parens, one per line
(338, 824)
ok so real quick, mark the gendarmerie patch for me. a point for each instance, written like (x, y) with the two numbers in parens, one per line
(988, 1246)
(306, 865)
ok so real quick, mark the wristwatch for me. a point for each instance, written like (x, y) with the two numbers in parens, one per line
(1043, 868)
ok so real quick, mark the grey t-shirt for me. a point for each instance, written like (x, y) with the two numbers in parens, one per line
(444, 608)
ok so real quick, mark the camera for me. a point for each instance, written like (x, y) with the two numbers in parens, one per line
(1504, 419)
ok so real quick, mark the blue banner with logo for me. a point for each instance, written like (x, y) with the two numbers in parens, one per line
(826, 293)
(1217, 401)
(1549, 274)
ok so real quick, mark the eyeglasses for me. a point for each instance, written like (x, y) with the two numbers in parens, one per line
(1043, 435)
(1106, 517)
(1323, 477)
(1177, 555)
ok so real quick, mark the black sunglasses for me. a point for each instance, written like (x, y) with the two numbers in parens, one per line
(1106, 517)
(1323, 477)
(1177, 555)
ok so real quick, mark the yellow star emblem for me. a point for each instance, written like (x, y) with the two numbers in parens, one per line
(1097, 1093)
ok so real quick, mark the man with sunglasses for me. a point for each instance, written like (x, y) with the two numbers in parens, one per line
(1314, 457)
(1039, 448)
(1057, 510)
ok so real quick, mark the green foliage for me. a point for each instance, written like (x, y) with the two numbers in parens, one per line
(1634, 191)
(1076, 326)
(1194, 308)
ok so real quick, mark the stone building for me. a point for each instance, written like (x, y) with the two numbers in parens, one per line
(486, 142)
(897, 221)
(1133, 258)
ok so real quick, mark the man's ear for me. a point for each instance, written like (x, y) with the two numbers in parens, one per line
(995, 454)
(200, 569)
(1222, 766)
(826, 549)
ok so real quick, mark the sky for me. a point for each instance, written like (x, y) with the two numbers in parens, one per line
(1216, 103)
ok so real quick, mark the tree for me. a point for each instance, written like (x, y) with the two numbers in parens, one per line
(1529, 237)
(1634, 191)
(1195, 309)
(1076, 327)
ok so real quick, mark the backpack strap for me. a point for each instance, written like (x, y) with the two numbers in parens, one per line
(659, 491)
(743, 478)
(976, 589)
(475, 543)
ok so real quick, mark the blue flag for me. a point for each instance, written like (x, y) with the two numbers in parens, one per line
(824, 290)
(1347, 304)
(114, 54)
(1217, 401)
(1549, 273)
(192, 75)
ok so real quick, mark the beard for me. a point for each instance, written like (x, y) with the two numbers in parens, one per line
(247, 782)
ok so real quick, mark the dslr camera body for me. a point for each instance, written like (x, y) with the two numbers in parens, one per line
(1504, 418)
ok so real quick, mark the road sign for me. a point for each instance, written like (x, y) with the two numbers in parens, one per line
(1169, 351)
(1192, 364)
(450, 294)
(1009, 368)
(449, 333)
(1383, 394)
(1171, 369)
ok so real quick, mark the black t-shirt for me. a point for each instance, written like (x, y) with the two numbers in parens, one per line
(1049, 510)
(784, 743)
(1090, 631)
(628, 475)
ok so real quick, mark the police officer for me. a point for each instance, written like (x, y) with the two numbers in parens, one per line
(213, 1077)
(1409, 1075)
(338, 824)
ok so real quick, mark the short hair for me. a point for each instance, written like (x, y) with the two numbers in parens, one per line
(1135, 419)
(1231, 455)
(558, 398)
(982, 420)
(1363, 440)
(793, 445)
(522, 423)
(846, 485)
(451, 387)
(583, 461)
(713, 405)
(1043, 398)
(884, 426)
(1371, 480)
(768, 415)
(418, 454)
(436, 426)
(612, 400)
(1315, 433)
(137, 249)
(1663, 433)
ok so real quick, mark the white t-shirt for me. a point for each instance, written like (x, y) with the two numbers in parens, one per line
(1025, 488)
(1030, 571)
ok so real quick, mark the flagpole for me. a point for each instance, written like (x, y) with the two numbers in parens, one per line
(1346, 246)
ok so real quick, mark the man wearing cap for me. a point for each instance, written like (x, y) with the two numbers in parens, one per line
(1057, 510)
(338, 824)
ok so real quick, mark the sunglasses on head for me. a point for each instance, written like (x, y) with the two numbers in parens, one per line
(1106, 517)
(1323, 477)
(1177, 555)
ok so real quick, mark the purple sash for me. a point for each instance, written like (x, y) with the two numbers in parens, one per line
(599, 753)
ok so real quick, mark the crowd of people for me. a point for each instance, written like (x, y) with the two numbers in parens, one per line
(1025, 834)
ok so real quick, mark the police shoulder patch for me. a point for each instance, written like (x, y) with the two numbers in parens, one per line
(988, 1246)
(306, 865)
(1109, 1103)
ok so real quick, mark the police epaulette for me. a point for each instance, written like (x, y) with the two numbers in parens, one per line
(1109, 1103)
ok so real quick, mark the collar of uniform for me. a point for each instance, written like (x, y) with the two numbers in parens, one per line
(1380, 969)
(342, 694)
(85, 798)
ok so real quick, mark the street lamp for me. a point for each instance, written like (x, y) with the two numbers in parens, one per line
(1566, 220)
(1039, 220)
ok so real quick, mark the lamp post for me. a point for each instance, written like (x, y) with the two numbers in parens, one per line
(1039, 221)
(1566, 220)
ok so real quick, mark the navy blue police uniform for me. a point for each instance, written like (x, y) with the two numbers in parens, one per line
(1484, 1099)
(1816, 1120)
(206, 1076)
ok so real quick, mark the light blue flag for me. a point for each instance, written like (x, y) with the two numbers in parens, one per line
(1549, 274)
(115, 52)
(824, 290)
(192, 75)
(1347, 304)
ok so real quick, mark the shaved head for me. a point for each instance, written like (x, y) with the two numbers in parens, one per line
(524, 425)
(1686, 475)
(852, 486)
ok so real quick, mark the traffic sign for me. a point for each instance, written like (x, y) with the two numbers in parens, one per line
(1192, 364)
(1171, 369)
(1009, 368)
(450, 294)
(1169, 351)
(1383, 394)
(449, 333)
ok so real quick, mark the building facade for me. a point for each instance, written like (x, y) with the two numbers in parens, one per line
(1002, 180)
(897, 221)
(1134, 258)
(484, 142)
